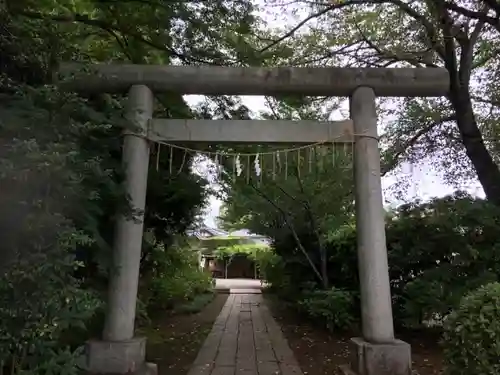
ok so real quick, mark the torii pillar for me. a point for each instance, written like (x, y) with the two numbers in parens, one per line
(377, 352)
(119, 351)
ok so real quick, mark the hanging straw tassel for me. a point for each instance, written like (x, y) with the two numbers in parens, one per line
(274, 166)
(320, 158)
(298, 163)
(220, 167)
(333, 154)
(170, 161)
(239, 169)
(311, 150)
(261, 168)
(257, 169)
(286, 165)
(234, 168)
(248, 169)
(158, 149)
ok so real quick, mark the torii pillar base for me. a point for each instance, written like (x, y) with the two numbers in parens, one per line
(118, 357)
(378, 359)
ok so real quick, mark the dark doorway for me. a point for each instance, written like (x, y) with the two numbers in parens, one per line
(240, 267)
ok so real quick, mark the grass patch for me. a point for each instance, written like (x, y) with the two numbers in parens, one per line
(197, 304)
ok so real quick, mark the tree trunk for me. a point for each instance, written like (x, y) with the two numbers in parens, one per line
(459, 69)
(324, 267)
(487, 171)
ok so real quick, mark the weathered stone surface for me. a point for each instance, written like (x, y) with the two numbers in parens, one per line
(121, 357)
(240, 371)
(225, 80)
(380, 359)
(250, 131)
(224, 370)
(290, 369)
(268, 368)
(205, 369)
(148, 369)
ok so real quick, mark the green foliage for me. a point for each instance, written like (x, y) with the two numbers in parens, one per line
(334, 308)
(195, 305)
(251, 250)
(438, 251)
(272, 269)
(429, 132)
(177, 278)
(295, 208)
(38, 307)
(60, 166)
(471, 333)
(453, 249)
(211, 244)
(50, 194)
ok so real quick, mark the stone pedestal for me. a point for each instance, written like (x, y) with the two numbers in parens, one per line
(118, 357)
(379, 359)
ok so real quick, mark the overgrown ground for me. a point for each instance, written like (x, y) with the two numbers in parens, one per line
(175, 339)
(321, 353)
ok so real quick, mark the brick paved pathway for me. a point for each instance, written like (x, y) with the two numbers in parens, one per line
(245, 340)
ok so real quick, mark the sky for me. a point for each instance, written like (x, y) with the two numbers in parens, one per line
(425, 183)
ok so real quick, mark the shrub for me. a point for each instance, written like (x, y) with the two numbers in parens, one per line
(196, 304)
(38, 305)
(180, 286)
(272, 269)
(431, 297)
(472, 333)
(174, 278)
(334, 307)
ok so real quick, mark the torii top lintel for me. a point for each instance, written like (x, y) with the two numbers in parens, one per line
(223, 80)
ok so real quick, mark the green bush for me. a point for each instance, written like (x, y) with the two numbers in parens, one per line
(178, 287)
(334, 307)
(472, 334)
(37, 307)
(453, 249)
(195, 305)
(273, 270)
(431, 297)
(177, 277)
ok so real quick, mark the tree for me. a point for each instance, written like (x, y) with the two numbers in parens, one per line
(60, 160)
(457, 134)
(297, 202)
(36, 37)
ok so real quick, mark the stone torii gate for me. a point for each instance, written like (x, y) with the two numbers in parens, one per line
(377, 352)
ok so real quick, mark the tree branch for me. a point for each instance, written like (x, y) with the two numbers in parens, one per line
(416, 61)
(298, 26)
(289, 224)
(495, 103)
(493, 4)
(429, 28)
(401, 149)
(315, 229)
(467, 53)
(492, 21)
